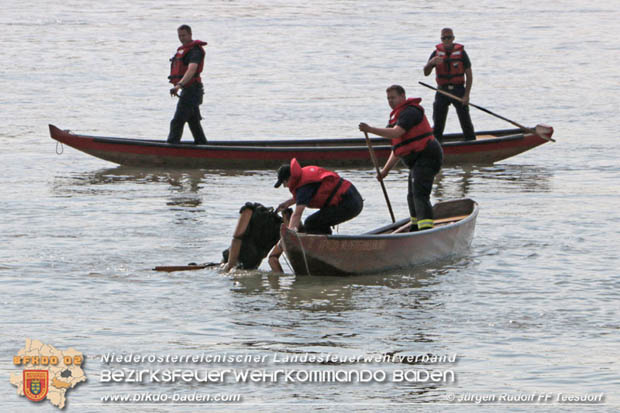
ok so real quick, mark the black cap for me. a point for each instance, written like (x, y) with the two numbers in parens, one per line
(284, 172)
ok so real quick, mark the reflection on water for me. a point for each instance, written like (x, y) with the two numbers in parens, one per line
(188, 180)
(461, 182)
(526, 177)
(186, 187)
(453, 183)
(337, 294)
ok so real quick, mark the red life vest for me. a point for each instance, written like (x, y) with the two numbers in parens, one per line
(414, 139)
(330, 191)
(452, 70)
(178, 68)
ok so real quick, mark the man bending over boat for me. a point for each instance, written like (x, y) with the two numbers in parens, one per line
(336, 199)
(414, 144)
(185, 71)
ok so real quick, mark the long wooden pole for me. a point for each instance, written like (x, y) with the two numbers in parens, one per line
(192, 267)
(374, 161)
(518, 125)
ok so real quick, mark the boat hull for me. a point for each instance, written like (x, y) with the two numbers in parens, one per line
(378, 251)
(269, 154)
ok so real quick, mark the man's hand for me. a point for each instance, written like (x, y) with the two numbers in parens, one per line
(283, 205)
(382, 174)
(437, 60)
(364, 127)
(175, 90)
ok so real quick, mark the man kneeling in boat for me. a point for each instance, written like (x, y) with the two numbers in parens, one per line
(413, 143)
(336, 198)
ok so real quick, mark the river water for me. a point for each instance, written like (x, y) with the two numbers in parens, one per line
(529, 309)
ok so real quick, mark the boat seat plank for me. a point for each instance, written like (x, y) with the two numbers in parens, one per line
(437, 222)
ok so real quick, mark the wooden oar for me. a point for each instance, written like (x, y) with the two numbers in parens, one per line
(190, 267)
(518, 125)
(374, 161)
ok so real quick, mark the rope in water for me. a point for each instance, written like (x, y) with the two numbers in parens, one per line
(303, 252)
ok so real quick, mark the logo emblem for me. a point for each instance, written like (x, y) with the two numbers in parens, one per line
(36, 384)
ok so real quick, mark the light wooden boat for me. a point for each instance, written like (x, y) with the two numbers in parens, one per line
(387, 248)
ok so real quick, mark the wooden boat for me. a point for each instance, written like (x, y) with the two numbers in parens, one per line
(387, 248)
(489, 147)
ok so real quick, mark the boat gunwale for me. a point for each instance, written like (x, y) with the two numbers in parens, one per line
(366, 236)
(297, 145)
(259, 148)
(263, 148)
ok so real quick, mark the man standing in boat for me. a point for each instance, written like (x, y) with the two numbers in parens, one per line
(413, 143)
(185, 71)
(336, 199)
(453, 75)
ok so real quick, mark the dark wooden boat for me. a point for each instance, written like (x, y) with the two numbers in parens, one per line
(489, 147)
(388, 248)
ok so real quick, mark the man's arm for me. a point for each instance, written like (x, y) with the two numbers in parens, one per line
(296, 217)
(189, 74)
(390, 133)
(276, 252)
(285, 204)
(432, 62)
(469, 80)
(408, 118)
(274, 259)
(389, 164)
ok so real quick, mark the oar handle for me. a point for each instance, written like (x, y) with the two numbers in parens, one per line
(374, 161)
(518, 125)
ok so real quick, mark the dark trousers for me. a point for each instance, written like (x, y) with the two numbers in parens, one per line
(440, 113)
(188, 112)
(349, 207)
(423, 166)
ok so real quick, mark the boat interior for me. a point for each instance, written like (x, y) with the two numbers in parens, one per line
(450, 138)
(447, 138)
(444, 213)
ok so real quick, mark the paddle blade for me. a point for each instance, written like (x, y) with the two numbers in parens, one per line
(545, 131)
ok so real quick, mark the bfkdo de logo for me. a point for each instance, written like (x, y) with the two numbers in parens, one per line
(46, 372)
(36, 384)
